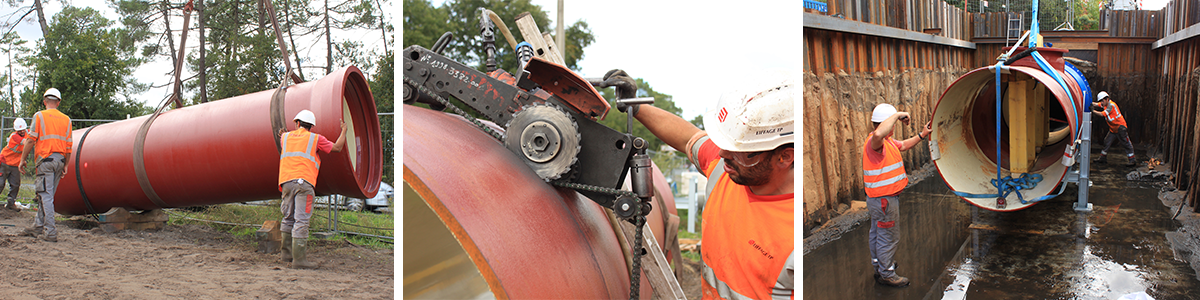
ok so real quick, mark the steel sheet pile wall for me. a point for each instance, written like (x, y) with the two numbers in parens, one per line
(857, 63)
(1179, 55)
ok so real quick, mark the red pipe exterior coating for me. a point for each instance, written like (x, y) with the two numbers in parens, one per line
(528, 239)
(224, 151)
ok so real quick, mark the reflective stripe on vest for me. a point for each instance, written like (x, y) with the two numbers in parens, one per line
(783, 289)
(42, 121)
(1116, 113)
(52, 138)
(886, 177)
(307, 154)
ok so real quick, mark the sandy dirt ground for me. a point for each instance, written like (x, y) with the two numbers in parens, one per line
(178, 262)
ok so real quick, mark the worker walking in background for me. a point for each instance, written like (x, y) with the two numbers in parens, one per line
(51, 136)
(11, 157)
(884, 177)
(1117, 128)
(298, 167)
(747, 228)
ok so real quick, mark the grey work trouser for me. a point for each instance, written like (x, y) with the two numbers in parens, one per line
(296, 207)
(12, 175)
(49, 171)
(883, 236)
(1123, 135)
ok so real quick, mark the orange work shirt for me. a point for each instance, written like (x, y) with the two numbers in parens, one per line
(883, 173)
(299, 159)
(11, 155)
(747, 238)
(1112, 114)
(51, 133)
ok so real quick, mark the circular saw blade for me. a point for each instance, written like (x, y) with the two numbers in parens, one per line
(546, 138)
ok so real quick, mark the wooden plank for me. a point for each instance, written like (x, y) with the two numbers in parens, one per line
(654, 263)
(533, 35)
(1020, 149)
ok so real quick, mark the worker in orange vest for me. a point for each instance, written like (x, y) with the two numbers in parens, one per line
(51, 137)
(11, 156)
(748, 154)
(884, 177)
(1117, 128)
(298, 167)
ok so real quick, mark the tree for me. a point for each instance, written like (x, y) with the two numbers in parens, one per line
(244, 55)
(36, 7)
(617, 120)
(423, 23)
(17, 74)
(468, 46)
(82, 57)
(382, 88)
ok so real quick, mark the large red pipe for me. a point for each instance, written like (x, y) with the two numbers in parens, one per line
(224, 151)
(516, 237)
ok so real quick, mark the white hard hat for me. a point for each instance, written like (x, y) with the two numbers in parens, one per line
(882, 112)
(755, 121)
(1101, 96)
(306, 116)
(53, 92)
(19, 124)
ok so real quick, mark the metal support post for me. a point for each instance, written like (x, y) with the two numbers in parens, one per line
(1085, 160)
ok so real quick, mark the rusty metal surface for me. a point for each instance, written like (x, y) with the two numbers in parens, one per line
(964, 125)
(574, 90)
(527, 238)
(224, 151)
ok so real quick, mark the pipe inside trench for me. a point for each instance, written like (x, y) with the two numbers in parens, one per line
(479, 223)
(1039, 118)
(224, 151)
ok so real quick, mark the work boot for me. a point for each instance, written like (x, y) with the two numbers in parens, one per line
(285, 251)
(1132, 162)
(12, 206)
(1102, 159)
(32, 231)
(300, 254)
(52, 239)
(895, 281)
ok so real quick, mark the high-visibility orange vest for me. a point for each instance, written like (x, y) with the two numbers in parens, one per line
(1112, 114)
(885, 177)
(748, 243)
(12, 153)
(51, 131)
(299, 159)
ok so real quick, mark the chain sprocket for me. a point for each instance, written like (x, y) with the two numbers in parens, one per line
(546, 137)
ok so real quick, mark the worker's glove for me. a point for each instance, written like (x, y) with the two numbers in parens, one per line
(625, 85)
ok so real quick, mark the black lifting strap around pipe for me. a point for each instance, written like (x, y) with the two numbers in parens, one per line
(79, 174)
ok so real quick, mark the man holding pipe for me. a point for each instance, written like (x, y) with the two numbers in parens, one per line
(51, 136)
(1117, 128)
(884, 177)
(298, 167)
(747, 230)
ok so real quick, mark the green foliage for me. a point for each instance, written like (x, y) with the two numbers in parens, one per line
(617, 120)
(383, 89)
(16, 73)
(1087, 14)
(423, 23)
(84, 58)
(243, 52)
(252, 215)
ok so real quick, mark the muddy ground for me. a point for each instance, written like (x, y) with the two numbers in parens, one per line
(188, 261)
